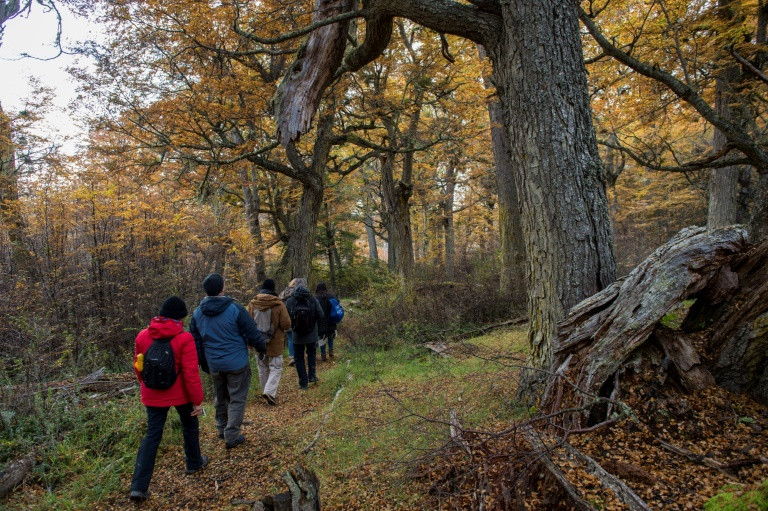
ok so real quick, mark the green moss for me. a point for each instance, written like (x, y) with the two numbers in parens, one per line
(739, 500)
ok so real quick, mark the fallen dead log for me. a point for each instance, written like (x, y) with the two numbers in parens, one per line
(545, 459)
(608, 480)
(15, 474)
(600, 336)
(696, 458)
(303, 494)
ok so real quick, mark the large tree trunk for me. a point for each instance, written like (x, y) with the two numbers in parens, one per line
(450, 234)
(541, 80)
(724, 337)
(252, 206)
(724, 186)
(370, 232)
(302, 241)
(396, 196)
(758, 223)
(512, 278)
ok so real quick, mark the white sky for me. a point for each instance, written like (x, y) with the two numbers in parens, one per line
(35, 35)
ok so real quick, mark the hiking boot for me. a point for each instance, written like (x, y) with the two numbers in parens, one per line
(323, 357)
(191, 471)
(291, 362)
(330, 353)
(271, 400)
(303, 387)
(237, 441)
(313, 379)
(138, 495)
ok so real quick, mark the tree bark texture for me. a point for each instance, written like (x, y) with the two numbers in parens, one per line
(252, 206)
(724, 185)
(299, 93)
(512, 279)
(541, 80)
(396, 197)
(726, 340)
(370, 232)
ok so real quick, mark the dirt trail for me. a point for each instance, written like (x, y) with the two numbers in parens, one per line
(246, 473)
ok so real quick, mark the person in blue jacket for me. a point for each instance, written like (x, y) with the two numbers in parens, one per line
(223, 330)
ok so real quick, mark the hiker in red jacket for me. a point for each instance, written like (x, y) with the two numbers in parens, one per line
(165, 361)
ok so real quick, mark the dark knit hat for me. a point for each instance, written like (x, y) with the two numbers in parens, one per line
(321, 287)
(213, 284)
(174, 308)
(269, 285)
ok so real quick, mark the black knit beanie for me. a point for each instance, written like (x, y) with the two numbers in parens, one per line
(174, 308)
(268, 285)
(213, 284)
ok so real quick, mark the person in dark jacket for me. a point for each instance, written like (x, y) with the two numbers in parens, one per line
(223, 330)
(271, 366)
(304, 341)
(186, 394)
(284, 295)
(326, 329)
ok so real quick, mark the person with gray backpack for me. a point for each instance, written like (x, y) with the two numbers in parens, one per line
(272, 321)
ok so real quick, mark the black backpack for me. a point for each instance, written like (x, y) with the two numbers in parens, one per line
(159, 365)
(303, 316)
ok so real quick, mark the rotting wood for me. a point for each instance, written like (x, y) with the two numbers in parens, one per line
(605, 330)
(457, 433)
(438, 348)
(696, 458)
(15, 474)
(543, 456)
(304, 487)
(610, 481)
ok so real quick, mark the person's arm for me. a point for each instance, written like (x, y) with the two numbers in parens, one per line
(284, 320)
(198, 339)
(189, 372)
(319, 310)
(248, 330)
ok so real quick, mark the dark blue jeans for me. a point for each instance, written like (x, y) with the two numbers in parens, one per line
(329, 338)
(301, 369)
(145, 459)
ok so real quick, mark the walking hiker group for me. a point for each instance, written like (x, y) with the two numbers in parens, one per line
(166, 360)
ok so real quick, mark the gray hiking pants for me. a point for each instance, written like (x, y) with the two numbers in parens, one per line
(270, 370)
(231, 389)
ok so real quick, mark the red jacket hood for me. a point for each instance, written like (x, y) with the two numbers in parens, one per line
(163, 328)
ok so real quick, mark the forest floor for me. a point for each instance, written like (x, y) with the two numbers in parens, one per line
(377, 428)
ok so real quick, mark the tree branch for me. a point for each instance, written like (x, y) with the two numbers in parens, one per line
(736, 135)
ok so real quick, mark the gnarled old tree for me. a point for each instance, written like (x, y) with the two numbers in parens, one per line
(540, 77)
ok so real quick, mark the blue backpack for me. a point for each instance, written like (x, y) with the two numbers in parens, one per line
(337, 311)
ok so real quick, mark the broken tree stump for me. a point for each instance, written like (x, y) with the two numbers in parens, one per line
(726, 276)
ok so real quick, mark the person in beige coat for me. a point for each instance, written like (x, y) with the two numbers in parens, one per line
(271, 365)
